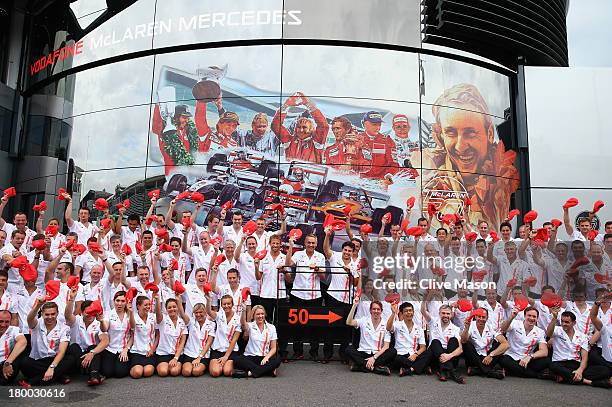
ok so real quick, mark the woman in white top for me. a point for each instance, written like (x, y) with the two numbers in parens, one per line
(146, 338)
(172, 336)
(225, 346)
(260, 357)
(196, 355)
(115, 359)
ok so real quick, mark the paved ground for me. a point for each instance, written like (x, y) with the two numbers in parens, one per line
(309, 384)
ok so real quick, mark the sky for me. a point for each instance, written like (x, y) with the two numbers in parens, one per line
(589, 33)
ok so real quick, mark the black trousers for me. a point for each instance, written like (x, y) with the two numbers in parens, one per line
(112, 366)
(596, 359)
(271, 307)
(300, 332)
(473, 359)
(34, 369)
(564, 368)
(76, 353)
(16, 368)
(253, 364)
(436, 349)
(328, 346)
(418, 366)
(533, 368)
(359, 358)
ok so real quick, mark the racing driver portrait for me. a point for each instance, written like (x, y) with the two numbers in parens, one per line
(468, 156)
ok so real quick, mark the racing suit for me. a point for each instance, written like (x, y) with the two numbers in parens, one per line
(307, 149)
(381, 153)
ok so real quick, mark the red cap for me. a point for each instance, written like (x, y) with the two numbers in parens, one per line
(126, 249)
(68, 244)
(471, 236)
(479, 275)
(138, 246)
(60, 194)
(347, 210)
(438, 271)
(10, 192)
(197, 197)
(52, 288)
(570, 203)
(592, 235)
(392, 298)
(551, 300)
(19, 262)
(386, 218)
(511, 283)
(414, 231)
(464, 305)
(183, 195)
(405, 223)
(178, 288)
(366, 228)
(227, 205)
(186, 222)
(295, 234)
(207, 287)
(260, 254)
(467, 201)
(597, 206)
(531, 281)
(165, 248)
(530, 216)
(216, 240)
(494, 236)
(478, 312)
(105, 223)
(39, 244)
(219, 259)
(521, 302)
(151, 287)
(246, 291)
(73, 281)
(28, 272)
(513, 213)
(329, 219)
(338, 225)
(448, 218)
(101, 204)
(580, 261)
(162, 233)
(130, 294)
(431, 209)
(80, 248)
(276, 207)
(542, 234)
(154, 194)
(150, 219)
(94, 309)
(40, 207)
(410, 202)
(51, 230)
(174, 265)
(601, 278)
(556, 222)
(249, 228)
(94, 247)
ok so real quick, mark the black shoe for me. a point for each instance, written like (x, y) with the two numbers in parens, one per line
(496, 374)
(455, 377)
(546, 375)
(605, 384)
(382, 370)
(239, 374)
(356, 368)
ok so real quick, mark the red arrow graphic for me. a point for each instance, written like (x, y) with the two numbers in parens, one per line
(331, 317)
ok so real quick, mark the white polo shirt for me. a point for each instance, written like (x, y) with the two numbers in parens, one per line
(118, 331)
(86, 261)
(407, 341)
(496, 314)
(27, 242)
(144, 334)
(109, 289)
(62, 300)
(272, 283)
(223, 268)
(170, 335)
(225, 331)
(606, 342)
(306, 284)
(518, 270)
(523, 343)
(25, 302)
(259, 340)
(130, 237)
(8, 302)
(339, 286)
(263, 241)
(84, 232)
(246, 266)
(566, 348)
(184, 264)
(372, 338)
(230, 234)
(14, 279)
(85, 336)
(443, 334)
(7, 342)
(236, 295)
(192, 296)
(40, 271)
(482, 342)
(198, 335)
(46, 343)
(583, 319)
(201, 259)
(90, 292)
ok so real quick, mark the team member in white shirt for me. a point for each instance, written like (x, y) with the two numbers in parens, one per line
(411, 356)
(12, 345)
(233, 231)
(444, 341)
(584, 226)
(146, 338)
(263, 236)
(527, 355)
(82, 227)
(233, 288)
(201, 255)
(26, 296)
(374, 353)
(182, 260)
(91, 291)
(87, 339)
(48, 359)
(115, 358)
(8, 301)
(196, 354)
(482, 346)
(20, 222)
(229, 247)
(495, 310)
(260, 356)
(8, 253)
(172, 336)
(306, 291)
(131, 233)
(509, 265)
(343, 277)
(246, 265)
(117, 254)
(225, 346)
(570, 353)
(604, 326)
(85, 262)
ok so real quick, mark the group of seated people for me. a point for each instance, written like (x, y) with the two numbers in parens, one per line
(164, 295)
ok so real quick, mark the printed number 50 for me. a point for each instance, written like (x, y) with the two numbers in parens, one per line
(298, 316)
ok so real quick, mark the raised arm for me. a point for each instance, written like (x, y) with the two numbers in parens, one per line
(326, 246)
(32, 321)
(211, 313)
(350, 319)
(506, 324)
(238, 249)
(569, 229)
(69, 311)
(490, 256)
(392, 317)
(3, 202)
(550, 329)
(169, 221)
(68, 211)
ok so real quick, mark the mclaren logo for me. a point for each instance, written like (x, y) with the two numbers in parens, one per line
(445, 200)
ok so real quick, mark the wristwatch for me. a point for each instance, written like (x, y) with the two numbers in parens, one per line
(92, 351)
(7, 363)
(52, 366)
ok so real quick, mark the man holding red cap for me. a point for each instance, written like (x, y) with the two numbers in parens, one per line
(400, 136)
(379, 150)
(8, 253)
(20, 222)
(482, 346)
(345, 155)
(308, 139)
(82, 227)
